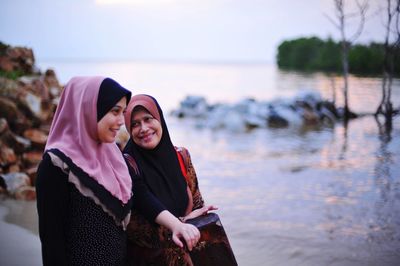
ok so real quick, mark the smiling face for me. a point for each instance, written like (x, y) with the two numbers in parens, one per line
(146, 131)
(109, 125)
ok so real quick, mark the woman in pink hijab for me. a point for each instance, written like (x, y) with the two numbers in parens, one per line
(83, 184)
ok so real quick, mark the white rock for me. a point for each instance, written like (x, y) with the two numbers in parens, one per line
(34, 102)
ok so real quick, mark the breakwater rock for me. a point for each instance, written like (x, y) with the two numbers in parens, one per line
(305, 109)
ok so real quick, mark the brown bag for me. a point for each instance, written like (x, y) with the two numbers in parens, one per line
(213, 248)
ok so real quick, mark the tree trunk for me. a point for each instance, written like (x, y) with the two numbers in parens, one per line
(386, 107)
(345, 62)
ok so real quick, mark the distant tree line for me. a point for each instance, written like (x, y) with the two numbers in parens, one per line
(314, 54)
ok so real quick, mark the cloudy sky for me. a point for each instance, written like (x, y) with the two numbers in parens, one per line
(179, 30)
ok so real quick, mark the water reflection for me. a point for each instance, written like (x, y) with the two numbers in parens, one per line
(385, 231)
(303, 196)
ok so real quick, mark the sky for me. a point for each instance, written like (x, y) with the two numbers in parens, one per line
(170, 30)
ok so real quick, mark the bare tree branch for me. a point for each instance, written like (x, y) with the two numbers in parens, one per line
(339, 21)
(332, 21)
(398, 23)
(362, 8)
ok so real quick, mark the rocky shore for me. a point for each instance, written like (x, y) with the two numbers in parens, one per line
(28, 98)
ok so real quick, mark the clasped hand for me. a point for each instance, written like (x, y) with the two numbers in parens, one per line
(189, 232)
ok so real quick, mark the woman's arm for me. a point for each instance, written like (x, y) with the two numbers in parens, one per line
(52, 206)
(152, 209)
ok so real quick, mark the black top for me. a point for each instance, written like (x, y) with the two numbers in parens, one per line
(72, 228)
(144, 201)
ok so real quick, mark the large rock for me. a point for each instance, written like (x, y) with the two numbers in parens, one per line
(8, 138)
(19, 59)
(13, 113)
(7, 156)
(19, 186)
(14, 181)
(35, 97)
(51, 81)
(25, 193)
(32, 158)
(8, 88)
(36, 137)
(8, 109)
(192, 106)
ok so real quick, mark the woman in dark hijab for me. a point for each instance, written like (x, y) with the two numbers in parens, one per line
(83, 185)
(167, 172)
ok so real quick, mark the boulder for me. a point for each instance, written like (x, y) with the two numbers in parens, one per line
(36, 137)
(31, 172)
(8, 109)
(25, 193)
(192, 106)
(9, 88)
(19, 59)
(14, 168)
(277, 121)
(8, 138)
(51, 81)
(7, 155)
(14, 116)
(32, 158)
(14, 181)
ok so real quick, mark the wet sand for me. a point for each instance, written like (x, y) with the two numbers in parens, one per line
(19, 244)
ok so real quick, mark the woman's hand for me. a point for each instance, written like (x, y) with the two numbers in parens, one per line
(198, 212)
(188, 232)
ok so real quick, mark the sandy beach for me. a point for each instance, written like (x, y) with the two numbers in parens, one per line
(19, 244)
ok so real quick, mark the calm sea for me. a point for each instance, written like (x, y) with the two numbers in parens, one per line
(170, 83)
(294, 196)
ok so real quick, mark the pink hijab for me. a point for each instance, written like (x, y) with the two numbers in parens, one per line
(146, 102)
(74, 133)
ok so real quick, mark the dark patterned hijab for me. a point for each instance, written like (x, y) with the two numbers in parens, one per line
(158, 167)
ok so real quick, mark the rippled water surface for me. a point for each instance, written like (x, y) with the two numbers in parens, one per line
(304, 197)
(291, 196)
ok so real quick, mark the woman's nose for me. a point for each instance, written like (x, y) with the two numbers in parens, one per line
(120, 120)
(143, 126)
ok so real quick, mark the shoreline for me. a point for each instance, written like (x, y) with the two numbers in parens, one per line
(19, 244)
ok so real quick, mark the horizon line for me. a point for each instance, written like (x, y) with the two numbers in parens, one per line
(148, 60)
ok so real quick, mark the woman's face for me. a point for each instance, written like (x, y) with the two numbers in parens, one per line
(146, 130)
(109, 125)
